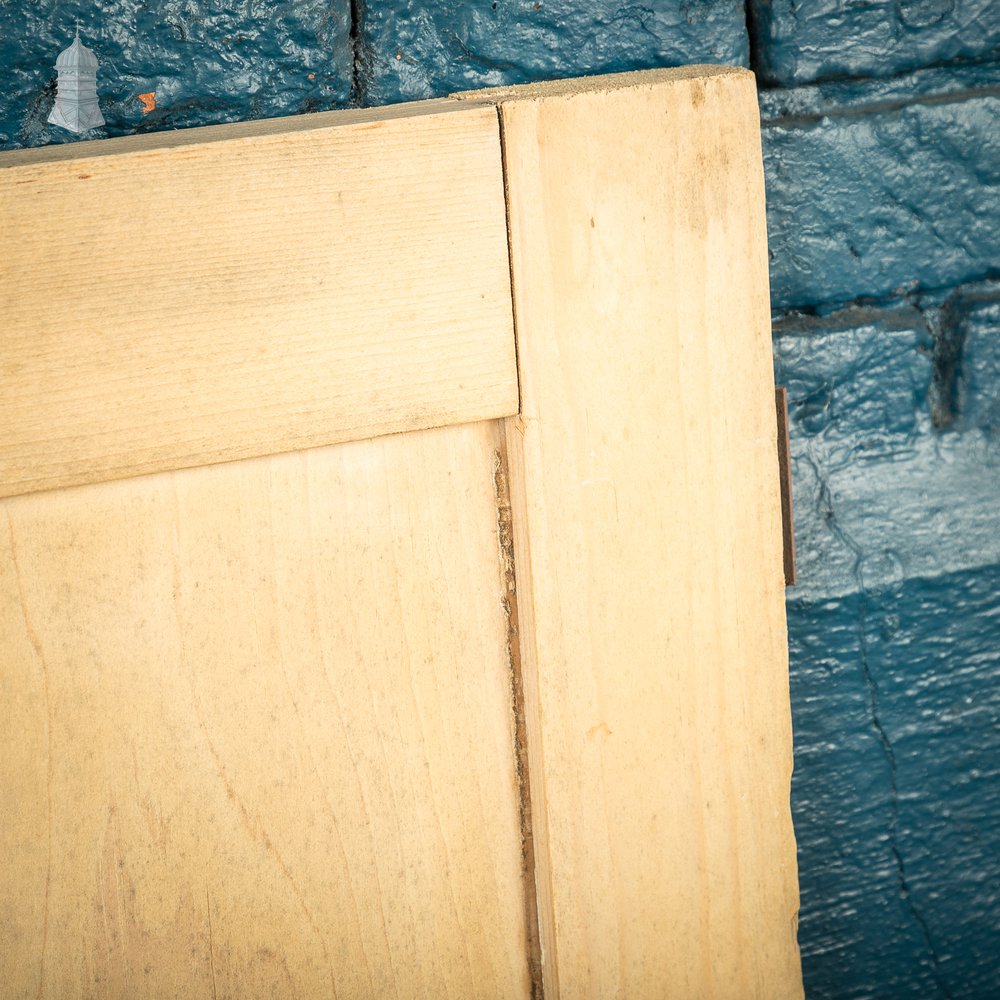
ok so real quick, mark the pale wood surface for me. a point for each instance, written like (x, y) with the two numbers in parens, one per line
(188, 298)
(255, 733)
(258, 728)
(647, 529)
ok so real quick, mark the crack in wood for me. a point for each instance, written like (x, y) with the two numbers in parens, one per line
(505, 539)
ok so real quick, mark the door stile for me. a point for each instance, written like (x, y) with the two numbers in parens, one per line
(646, 537)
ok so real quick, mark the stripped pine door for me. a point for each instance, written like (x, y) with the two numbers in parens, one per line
(390, 565)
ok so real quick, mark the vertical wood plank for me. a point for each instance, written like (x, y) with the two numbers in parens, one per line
(255, 737)
(648, 538)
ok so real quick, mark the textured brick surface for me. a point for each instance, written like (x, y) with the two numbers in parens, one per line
(896, 790)
(796, 42)
(893, 633)
(417, 50)
(880, 189)
(895, 439)
(206, 64)
(837, 98)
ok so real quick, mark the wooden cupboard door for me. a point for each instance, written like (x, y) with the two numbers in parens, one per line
(256, 731)
(299, 705)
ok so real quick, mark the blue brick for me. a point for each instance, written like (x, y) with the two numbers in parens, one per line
(879, 493)
(206, 64)
(419, 50)
(898, 822)
(876, 190)
(895, 665)
(796, 42)
(837, 98)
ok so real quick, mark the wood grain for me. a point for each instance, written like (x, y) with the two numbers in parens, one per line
(188, 298)
(647, 527)
(255, 737)
(260, 731)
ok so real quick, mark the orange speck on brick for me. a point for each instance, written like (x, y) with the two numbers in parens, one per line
(148, 102)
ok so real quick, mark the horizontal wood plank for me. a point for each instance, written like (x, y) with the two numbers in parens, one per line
(189, 298)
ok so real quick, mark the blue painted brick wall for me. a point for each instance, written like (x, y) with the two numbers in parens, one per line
(206, 63)
(894, 637)
(881, 136)
(798, 42)
(879, 189)
(420, 50)
(898, 822)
